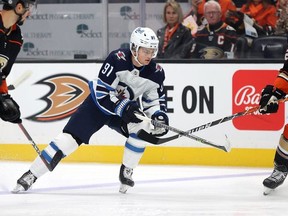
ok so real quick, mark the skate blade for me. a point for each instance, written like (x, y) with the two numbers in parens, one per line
(267, 191)
(123, 188)
(18, 189)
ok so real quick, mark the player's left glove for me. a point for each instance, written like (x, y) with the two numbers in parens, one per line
(161, 117)
(269, 99)
(9, 109)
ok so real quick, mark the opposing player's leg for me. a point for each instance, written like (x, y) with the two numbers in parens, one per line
(275, 179)
(280, 171)
(80, 127)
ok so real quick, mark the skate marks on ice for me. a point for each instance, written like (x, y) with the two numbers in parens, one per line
(92, 189)
(157, 179)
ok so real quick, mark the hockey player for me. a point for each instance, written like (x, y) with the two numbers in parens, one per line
(113, 101)
(13, 15)
(269, 104)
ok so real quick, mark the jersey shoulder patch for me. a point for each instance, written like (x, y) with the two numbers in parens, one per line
(158, 68)
(120, 55)
(228, 27)
(158, 72)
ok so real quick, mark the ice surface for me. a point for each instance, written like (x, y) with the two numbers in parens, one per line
(92, 189)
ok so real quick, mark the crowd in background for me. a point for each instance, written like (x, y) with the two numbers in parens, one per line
(232, 29)
(224, 29)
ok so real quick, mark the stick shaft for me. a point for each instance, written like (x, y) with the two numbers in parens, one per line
(157, 141)
(228, 118)
(25, 132)
(180, 132)
(29, 138)
(19, 80)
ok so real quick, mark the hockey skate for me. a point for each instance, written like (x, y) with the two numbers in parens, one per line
(24, 182)
(275, 179)
(125, 177)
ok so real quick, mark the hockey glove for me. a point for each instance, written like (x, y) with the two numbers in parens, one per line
(269, 99)
(161, 117)
(9, 109)
(126, 110)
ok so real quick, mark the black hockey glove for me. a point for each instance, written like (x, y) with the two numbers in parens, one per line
(126, 109)
(269, 99)
(9, 109)
(161, 117)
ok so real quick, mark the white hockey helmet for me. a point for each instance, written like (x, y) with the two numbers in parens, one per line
(13, 3)
(144, 37)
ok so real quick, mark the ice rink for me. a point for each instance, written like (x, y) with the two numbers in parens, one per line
(92, 189)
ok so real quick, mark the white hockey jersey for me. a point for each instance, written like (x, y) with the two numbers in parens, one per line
(118, 79)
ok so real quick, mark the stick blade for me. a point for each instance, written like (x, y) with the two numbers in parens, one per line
(144, 135)
(228, 144)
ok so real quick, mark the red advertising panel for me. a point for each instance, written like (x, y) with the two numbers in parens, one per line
(247, 86)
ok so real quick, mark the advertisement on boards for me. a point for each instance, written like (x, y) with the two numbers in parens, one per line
(196, 94)
(63, 31)
(247, 93)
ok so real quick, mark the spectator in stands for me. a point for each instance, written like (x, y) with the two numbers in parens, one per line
(190, 21)
(281, 27)
(175, 39)
(262, 12)
(216, 39)
(198, 7)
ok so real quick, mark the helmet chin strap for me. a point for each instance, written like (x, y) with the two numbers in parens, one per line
(136, 58)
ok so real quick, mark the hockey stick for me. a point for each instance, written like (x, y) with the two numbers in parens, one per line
(142, 134)
(19, 80)
(157, 141)
(55, 160)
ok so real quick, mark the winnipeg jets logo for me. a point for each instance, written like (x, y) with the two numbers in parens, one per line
(124, 91)
(67, 92)
(120, 55)
(158, 68)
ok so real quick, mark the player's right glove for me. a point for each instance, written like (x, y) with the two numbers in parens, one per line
(126, 110)
(269, 99)
(9, 109)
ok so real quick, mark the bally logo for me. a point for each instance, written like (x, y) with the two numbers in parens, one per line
(247, 87)
(67, 92)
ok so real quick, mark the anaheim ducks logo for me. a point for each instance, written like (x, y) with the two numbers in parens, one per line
(3, 61)
(67, 92)
(211, 53)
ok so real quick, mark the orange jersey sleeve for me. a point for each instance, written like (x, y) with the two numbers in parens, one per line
(281, 82)
(3, 87)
